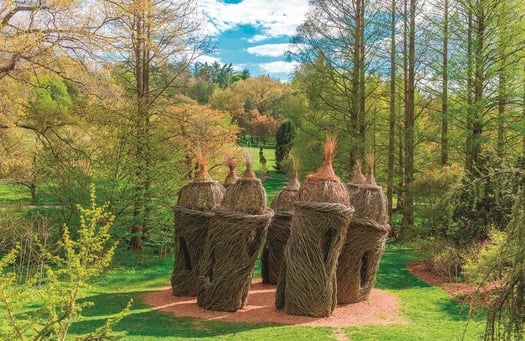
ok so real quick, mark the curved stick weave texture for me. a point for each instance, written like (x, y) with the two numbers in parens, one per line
(232, 247)
(307, 285)
(191, 228)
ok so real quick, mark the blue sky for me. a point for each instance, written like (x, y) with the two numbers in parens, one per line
(253, 34)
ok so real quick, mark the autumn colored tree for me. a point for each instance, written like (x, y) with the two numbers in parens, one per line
(47, 35)
(264, 93)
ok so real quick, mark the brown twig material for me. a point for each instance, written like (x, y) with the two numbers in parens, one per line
(359, 260)
(272, 256)
(193, 212)
(236, 233)
(229, 258)
(190, 235)
(367, 235)
(324, 185)
(247, 194)
(307, 285)
(231, 178)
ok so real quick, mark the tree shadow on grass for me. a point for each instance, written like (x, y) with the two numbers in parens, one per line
(460, 312)
(143, 321)
(393, 273)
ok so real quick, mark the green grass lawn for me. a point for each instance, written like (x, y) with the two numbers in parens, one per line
(12, 194)
(272, 180)
(430, 314)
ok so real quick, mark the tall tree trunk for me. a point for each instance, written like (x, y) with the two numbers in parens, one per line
(392, 112)
(444, 91)
(408, 210)
(142, 138)
(358, 87)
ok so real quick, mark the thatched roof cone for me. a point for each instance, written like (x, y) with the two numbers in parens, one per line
(232, 176)
(284, 199)
(357, 176)
(247, 195)
(203, 193)
(357, 180)
(324, 185)
(370, 179)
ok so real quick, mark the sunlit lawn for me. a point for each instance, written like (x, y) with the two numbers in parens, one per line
(430, 314)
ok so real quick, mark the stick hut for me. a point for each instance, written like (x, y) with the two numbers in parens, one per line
(193, 214)
(307, 285)
(236, 233)
(365, 242)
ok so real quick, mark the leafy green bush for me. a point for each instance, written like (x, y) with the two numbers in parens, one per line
(444, 258)
(482, 201)
(429, 188)
(38, 311)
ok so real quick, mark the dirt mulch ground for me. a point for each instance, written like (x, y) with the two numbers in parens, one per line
(381, 308)
(461, 292)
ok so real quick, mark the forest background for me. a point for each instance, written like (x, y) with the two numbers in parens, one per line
(109, 93)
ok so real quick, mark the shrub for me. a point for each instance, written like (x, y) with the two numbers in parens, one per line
(66, 278)
(483, 200)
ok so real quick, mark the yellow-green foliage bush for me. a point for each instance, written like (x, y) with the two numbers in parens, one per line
(33, 311)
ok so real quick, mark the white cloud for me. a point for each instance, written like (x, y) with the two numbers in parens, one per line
(257, 38)
(208, 59)
(269, 50)
(272, 17)
(279, 67)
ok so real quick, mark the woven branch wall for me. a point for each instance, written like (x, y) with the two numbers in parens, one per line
(227, 264)
(364, 245)
(192, 217)
(273, 252)
(307, 284)
(272, 257)
(359, 260)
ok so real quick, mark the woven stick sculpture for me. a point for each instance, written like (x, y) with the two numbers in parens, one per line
(192, 213)
(273, 252)
(237, 231)
(307, 285)
(365, 241)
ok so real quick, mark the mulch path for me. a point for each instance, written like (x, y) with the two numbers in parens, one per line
(380, 309)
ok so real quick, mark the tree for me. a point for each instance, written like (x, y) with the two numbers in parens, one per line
(392, 109)
(283, 142)
(264, 93)
(337, 40)
(410, 107)
(489, 34)
(47, 34)
(148, 35)
(262, 127)
(502, 263)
